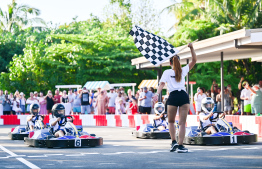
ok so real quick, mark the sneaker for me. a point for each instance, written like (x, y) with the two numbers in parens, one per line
(181, 149)
(174, 146)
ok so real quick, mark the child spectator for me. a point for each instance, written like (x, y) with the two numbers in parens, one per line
(246, 96)
(133, 106)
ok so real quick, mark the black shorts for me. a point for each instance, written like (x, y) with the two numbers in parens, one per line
(178, 98)
(139, 109)
(145, 110)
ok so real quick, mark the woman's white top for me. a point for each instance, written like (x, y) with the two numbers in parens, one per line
(169, 78)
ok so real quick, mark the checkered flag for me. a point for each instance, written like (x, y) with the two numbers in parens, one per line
(154, 48)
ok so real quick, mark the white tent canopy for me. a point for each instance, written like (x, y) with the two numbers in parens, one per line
(93, 85)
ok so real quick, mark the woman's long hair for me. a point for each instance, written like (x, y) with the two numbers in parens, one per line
(176, 67)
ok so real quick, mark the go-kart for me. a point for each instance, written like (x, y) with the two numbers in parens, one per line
(226, 134)
(19, 132)
(73, 138)
(149, 131)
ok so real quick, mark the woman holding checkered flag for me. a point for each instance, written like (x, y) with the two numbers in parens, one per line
(178, 98)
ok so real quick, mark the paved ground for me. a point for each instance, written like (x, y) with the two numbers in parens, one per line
(121, 150)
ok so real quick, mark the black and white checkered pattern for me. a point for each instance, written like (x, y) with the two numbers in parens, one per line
(154, 48)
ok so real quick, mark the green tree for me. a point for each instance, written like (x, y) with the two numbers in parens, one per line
(235, 14)
(73, 54)
(17, 16)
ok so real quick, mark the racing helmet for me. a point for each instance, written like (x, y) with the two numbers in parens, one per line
(207, 104)
(34, 106)
(58, 107)
(159, 108)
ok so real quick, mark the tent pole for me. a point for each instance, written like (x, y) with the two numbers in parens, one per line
(159, 74)
(187, 79)
(222, 81)
(133, 87)
(191, 93)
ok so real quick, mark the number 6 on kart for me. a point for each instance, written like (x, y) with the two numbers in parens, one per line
(77, 142)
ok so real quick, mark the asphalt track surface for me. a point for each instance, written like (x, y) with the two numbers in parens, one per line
(122, 150)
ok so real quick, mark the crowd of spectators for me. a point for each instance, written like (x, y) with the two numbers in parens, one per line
(246, 101)
(82, 101)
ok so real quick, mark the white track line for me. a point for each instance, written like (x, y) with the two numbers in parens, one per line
(89, 153)
(30, 165)
(250, 148)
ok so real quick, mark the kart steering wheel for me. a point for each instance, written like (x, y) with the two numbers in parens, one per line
(213, 119)
(69, 116)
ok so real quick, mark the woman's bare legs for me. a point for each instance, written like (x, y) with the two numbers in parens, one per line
(171, 111)
(183, 111)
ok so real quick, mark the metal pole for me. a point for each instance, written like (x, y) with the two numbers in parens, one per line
(159, 74)
(133, 87)
(222, 82)
(187, 79)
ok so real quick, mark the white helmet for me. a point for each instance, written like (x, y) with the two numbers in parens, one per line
(207, 104)
(159, 108)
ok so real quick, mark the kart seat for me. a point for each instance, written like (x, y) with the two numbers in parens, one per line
(200, 127)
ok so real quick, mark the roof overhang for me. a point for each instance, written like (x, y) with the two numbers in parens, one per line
(209, 50)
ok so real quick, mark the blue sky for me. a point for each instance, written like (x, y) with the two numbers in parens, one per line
(62, 11)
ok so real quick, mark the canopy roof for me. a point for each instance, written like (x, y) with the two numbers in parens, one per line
(93, 85)
(209, 50)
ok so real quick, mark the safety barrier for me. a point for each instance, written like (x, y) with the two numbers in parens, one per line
(251, 123)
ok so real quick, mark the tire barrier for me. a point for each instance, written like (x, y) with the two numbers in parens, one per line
(251, 123)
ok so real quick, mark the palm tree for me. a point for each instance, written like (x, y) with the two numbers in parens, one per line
(237, 13)
(17, 15)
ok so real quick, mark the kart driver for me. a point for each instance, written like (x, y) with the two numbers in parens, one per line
(31, 119)
(160, 119)
(58, 121)
(208, 107)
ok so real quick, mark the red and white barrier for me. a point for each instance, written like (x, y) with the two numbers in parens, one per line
(251, 123)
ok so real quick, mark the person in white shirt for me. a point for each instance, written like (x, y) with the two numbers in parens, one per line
(178, 98)
(59, 120)
(36, 96)
(71, 97)
(198, 98)
(22, 102)
(246, 96)
(31, 119)
(112, 98)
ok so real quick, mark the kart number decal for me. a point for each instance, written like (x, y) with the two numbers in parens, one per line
(233, 139)
(77, 142)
